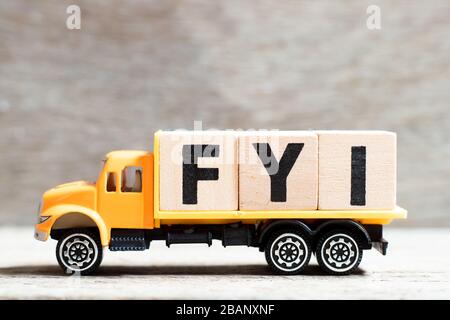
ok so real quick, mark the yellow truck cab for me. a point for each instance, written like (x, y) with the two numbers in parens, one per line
(122, 211)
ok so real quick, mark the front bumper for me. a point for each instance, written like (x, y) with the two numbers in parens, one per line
(39, 234)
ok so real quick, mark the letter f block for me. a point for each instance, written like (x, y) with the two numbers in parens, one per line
(198, 170)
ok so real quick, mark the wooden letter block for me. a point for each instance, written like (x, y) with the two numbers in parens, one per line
(198, 170)
(357, 170)
(278, 170)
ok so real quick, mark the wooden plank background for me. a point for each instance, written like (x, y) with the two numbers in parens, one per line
(69, 97)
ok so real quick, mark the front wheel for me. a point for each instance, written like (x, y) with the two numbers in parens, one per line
(339, 252)
(288, 252)
(79, 251)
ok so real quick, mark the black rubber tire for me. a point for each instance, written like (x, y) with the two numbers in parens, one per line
(93, 242)
(324, 243)
(277, 237)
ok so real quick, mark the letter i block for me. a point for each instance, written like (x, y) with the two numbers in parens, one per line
(198, 170)
(278, 170)
(357, 170)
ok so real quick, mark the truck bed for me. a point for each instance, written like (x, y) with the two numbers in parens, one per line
(363, 216)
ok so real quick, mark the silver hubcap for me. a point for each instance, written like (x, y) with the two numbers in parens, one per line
(289, 252)
(340, 252)
(78, 252)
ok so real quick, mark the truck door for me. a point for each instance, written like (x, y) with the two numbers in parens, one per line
(125, 188)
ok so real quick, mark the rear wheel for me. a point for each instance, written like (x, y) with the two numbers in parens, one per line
(288, 252)
(339, 252)
(79, 251)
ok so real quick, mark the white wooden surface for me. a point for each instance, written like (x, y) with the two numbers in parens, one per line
(417, 267)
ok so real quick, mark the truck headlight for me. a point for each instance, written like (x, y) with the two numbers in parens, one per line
(42, 219)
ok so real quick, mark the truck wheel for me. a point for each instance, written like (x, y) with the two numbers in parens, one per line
(288, 252)
(79, 251)
(339, 252)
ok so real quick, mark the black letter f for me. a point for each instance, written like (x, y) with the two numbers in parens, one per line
(192, 173)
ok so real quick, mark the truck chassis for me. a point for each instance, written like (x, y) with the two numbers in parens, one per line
(288, 244)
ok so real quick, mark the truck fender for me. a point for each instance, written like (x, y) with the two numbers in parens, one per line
(345, 224)
(281, 224)
(59, 211)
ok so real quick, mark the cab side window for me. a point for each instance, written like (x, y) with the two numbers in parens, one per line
(111, 182)
(132, 179)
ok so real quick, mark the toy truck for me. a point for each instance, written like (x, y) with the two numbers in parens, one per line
(290, 194)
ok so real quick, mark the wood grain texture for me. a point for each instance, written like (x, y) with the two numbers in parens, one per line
(255, 182)
(68, 97)
(220, 194)
(335, 169)
(28, 270)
